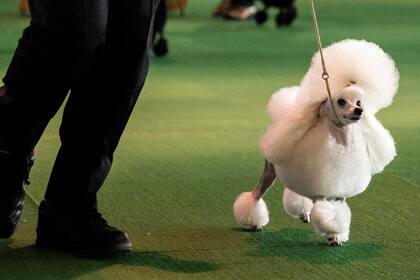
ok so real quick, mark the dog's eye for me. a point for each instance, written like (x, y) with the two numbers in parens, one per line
(358, 103)
(341, 102)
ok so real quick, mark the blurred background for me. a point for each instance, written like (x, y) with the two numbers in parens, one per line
(192, 145)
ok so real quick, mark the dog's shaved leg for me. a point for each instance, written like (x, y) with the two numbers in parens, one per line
(267, 179)
(249, 207)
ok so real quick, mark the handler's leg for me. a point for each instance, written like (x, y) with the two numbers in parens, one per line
(95, 116)
(46, 62)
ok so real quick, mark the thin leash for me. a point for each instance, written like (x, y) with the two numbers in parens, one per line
(325, 75)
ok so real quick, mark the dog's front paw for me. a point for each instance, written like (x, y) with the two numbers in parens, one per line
(257, 228)
(334, 239)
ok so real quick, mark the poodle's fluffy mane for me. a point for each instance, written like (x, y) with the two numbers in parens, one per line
(294, 110)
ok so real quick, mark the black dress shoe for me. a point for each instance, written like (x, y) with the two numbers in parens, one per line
(85, 235)
(14, 175)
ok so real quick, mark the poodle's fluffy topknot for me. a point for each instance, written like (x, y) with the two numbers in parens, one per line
(354, 61)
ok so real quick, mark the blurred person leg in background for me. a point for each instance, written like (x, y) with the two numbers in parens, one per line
(160, 43)
(235, 9)
(24, 7)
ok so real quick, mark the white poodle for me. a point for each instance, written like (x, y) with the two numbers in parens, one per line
(323, 151)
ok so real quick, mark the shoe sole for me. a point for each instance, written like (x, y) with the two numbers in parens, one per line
(89, 253)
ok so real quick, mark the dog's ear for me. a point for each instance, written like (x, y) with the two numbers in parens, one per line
(379, 143)
(279, 140)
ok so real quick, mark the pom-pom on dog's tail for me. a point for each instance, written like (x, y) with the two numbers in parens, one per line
(353, 62)
(250, 211)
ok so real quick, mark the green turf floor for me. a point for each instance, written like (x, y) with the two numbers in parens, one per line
(191, 147)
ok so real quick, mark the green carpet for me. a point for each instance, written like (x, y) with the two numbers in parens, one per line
(191, 147)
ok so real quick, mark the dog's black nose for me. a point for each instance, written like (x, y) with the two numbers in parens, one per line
(358, 111)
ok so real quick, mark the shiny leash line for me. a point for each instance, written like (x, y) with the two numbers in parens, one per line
(325, 75)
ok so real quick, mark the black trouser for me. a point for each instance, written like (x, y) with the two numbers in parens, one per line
(97, 50)
(243, 2)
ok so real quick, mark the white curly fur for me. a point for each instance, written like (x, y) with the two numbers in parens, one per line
(308, 156)
(250, 212)
(301, 146)
(323, 217)
(296, 206)
(362, 62)
(331, 217)
(379, 143)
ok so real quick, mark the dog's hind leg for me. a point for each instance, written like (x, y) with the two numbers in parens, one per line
(331, 218)
(267, 179)
(297, 206)
(249, 207)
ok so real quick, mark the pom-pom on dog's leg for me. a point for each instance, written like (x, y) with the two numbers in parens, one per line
(332, 220)
(250, 212)
(323, 219)
(343, 218)
(249, 208)
(297, 206)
